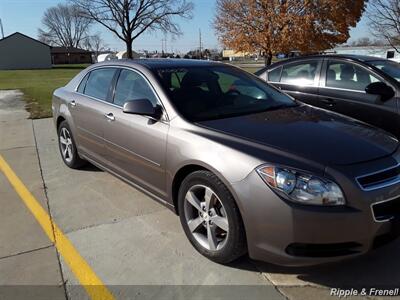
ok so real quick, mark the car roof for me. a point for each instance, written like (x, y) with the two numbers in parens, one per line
(159, 63)
(360, 58)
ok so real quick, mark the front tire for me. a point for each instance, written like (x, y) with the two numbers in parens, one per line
(210, 217)
(67, 147)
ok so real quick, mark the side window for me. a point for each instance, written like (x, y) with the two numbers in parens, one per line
(275, 74)
(99, 83)
(81, 87)
(300, 73)
(132, 86)
(348, 76)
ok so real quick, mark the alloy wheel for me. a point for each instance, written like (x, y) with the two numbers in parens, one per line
(66, 145)
(206, 217)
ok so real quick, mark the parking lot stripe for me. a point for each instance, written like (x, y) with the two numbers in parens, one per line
(81, 269)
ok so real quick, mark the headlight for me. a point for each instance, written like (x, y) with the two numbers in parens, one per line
(301, 187)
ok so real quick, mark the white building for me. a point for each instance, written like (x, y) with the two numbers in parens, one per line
(377, 51)
(18, 51)
(106, 57)
(123, 54)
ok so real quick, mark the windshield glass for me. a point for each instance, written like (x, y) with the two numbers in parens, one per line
(216, 92)
(389, 67)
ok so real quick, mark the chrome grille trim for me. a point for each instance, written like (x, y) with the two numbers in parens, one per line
(379, 184)
(380, 202)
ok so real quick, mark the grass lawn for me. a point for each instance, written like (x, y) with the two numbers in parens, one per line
(38, 85)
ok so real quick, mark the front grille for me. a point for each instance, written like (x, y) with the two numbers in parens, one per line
(380, 179)
(386, 210)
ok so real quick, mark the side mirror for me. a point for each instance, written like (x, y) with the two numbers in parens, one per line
(142, 107)
(381, 89)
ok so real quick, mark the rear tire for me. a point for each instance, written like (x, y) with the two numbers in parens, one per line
(210, 217)
(67, 146)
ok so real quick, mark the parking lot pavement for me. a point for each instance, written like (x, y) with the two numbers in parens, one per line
(27, 257)
(135, 245)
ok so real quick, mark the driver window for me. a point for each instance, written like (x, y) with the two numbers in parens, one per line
(132, 86)
(348, 76)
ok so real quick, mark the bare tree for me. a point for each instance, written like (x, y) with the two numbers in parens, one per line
(384, 21)
(64, 25)
(128, 19)
(95, 44)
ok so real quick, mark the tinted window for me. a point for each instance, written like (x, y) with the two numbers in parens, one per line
(215, 92)
(300, 73)
(132, 86)
(82, 85)
(274, 75)
(389, 67)
(348, 76)
(99, 83)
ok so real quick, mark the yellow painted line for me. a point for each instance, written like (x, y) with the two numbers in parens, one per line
(81, 269)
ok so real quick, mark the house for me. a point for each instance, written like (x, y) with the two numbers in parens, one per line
(19, 51)
(70, 55)
(123, 54)
(237, 55)
(106, 57)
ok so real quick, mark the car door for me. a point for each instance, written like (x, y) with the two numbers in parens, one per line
(342, 89)
(136, 144)
(88, 111)
(299, 79)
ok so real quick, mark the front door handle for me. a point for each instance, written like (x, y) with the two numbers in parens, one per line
(110, 116)
(73, 103)
(328, 101)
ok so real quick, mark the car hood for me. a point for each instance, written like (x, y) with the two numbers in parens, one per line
(311, 133)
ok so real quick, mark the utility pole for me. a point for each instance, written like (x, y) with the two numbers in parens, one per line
(201, 56)
(164, 40)
(1, 28)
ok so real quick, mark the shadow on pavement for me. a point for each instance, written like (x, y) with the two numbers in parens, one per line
(91, 168)
(379, 268)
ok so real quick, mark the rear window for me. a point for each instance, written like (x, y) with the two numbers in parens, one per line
(99, 83)
(302, 73)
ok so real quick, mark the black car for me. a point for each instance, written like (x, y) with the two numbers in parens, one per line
(363, 87)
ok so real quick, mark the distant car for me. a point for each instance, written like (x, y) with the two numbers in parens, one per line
(363, 87)
(246, 167)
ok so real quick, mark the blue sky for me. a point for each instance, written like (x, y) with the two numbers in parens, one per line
(25, 16)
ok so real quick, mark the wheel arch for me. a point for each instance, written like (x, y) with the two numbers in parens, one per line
(187, 169)
(59, 120)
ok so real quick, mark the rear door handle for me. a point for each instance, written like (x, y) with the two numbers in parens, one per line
(328, 101)
(73, 103)
(110, 116)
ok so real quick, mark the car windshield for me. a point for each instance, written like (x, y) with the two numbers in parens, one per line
(216, 92)
(391, 68)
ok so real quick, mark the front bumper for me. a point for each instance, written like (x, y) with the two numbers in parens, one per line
(289, 234)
